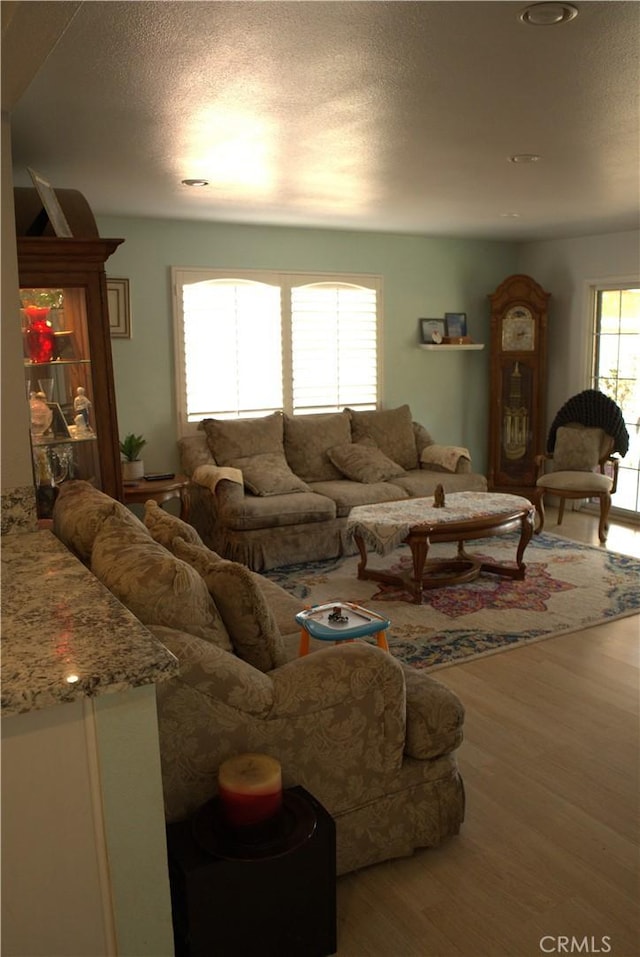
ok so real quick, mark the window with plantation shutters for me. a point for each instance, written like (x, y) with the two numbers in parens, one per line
(333, 346)
(250, 343)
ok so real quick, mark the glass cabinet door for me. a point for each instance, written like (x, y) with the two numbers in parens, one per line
(59, 389)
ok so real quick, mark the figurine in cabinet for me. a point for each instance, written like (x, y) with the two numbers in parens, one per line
(81, 406)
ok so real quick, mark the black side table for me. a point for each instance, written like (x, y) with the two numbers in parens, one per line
(271, 895)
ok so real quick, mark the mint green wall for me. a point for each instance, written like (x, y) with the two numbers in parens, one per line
(421, 277)
(568, 269)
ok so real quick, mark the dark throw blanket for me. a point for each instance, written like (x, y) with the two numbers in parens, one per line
(595, 410)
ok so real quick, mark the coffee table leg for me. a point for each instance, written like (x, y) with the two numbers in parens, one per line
(362, 548)
(526, 531)
(517, 573)
(419, 546)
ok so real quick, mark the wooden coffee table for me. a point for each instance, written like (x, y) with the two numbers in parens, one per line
(418, 523)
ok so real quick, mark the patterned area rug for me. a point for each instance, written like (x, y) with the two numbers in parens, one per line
(567, 587)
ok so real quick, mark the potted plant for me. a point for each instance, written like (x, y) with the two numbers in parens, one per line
(133, 466)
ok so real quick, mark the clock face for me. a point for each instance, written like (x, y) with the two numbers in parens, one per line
(518, 330)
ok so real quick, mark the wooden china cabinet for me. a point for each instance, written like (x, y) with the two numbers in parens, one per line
(518, 369)
(68, 368)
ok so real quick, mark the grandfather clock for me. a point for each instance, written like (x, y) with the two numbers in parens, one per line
(517, 382)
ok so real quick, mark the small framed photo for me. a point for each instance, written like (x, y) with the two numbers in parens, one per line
(51, 204)
(431, 331)
(456, 324)
(119, 308)
(59, 425)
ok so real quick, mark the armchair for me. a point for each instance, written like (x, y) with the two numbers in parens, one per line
(585, 433)
(373, 741)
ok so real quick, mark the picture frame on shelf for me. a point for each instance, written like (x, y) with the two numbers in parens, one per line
(51, 204)
(431, 331)
(455, 325)
(119, 308)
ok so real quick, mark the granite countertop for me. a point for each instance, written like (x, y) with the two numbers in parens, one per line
(64, 635)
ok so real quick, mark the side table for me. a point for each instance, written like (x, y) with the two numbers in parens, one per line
(275, 898)
(139, 492)
(340, 621)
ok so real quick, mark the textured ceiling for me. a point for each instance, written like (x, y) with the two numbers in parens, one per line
(386, 116)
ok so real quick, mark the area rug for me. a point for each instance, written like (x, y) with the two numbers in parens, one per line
(567, 587)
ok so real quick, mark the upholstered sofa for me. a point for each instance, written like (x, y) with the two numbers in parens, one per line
(277, 490)
(373, 740)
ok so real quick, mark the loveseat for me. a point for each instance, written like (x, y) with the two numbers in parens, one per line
(372, 739)
(277, 490)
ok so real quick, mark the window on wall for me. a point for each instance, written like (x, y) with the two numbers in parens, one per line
(616, 372)
(250, 343)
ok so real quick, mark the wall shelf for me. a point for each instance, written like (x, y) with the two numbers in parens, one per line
(442, 347)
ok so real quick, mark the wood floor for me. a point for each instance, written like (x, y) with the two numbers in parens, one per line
(549, 848)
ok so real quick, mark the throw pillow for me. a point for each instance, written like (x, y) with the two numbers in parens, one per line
(444, 457)
(164, 526)
(306, 440)
(194, 451)
(154, 585)
(364, 463)
(391, 430)
(231, 439)
(79, 513)
(577, 449)
(252, 628)
(268, 474)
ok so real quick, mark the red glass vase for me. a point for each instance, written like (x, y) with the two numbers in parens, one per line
(39, 334)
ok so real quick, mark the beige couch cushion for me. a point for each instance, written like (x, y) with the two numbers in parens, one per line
(231, 439)
(79, 513)
(391, 430)
(153, 584)
(363, 462)
(420, 482)
(194, 451)
(255, 446)
(251, 511)
(249, 620)
(345, 493)
(163, 526)
(268, 473)
(307, 438)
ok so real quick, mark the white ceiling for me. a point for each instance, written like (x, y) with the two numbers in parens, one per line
(393, 116)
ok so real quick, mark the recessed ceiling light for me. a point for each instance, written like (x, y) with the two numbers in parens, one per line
(195, 182)
(548, 14)
(524, 158)
(509, 215)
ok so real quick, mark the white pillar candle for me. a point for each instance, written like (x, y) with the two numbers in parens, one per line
(250, 787)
